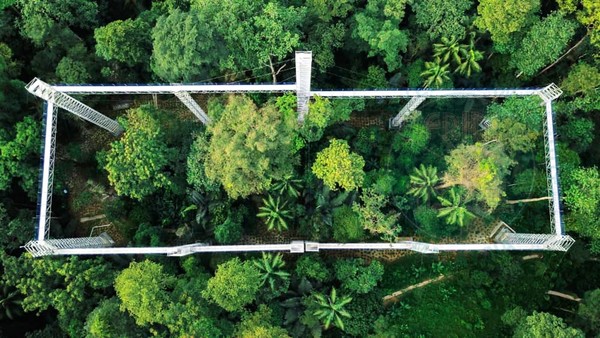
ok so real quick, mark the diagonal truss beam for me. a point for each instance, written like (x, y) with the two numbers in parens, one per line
(43, 90)
(412, 104)
(193, 106)
(303, 73)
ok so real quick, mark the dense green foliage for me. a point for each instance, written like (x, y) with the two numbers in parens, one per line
(338, 167)
(136, 163)
(258, 147)
(254, 174)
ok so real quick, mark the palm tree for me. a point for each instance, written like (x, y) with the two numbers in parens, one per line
(454, 209)
(471, 57)
(330, 309)
(275, 213)
(271, 267)
(423, 182)
(288, 184)
(10, 303)
(449, 49)
(435, 73)
(294, 306)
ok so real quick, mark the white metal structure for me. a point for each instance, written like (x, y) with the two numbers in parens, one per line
(303, 72)
(412, 104)
(193, 106)
(56, 96)
(49, 247)
(47, 176)
(43, 90)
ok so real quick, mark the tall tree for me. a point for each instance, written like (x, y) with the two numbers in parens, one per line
(514, 135)
(260, 324)
(18, 155)
(136, 163)
(358, 276)
(583, 79)
(589, 310)
(249, 148)
(373, 218)
(108, 321)
(71, 286)
(542, 324)
(185, 47)
(143, 289)
(479, 168)
(441, 18)
(378, 25)
(543, 43)
(505, 19)
(234, 285)
(126, 41)
(40, 19)
(257, 35)
(582, 197)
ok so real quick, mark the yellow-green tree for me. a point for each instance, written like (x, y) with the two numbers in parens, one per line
(234, 285)
(143, 289)
(503, 19)
(249, 148)
(480, 168)
(136, 163)
(338, 167)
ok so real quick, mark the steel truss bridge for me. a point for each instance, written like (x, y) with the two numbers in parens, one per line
(59, 96)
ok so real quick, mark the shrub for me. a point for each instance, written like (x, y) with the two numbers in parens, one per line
(312, 266)
(358, 277)
(338, 167)
(346, 225)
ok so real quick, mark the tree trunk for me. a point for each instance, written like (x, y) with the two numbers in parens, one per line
(528, 200)
(92, 218)
(274, 72)
(565, 54)
(563, 295)
(394, 296)
(534, 256)
(443, 186)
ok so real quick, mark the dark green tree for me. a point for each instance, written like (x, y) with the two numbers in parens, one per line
(436, 73)
(442, 18)
(275, 213)
(272, 273)
(423, 181)
(330, 309)
(454, 209)
(108, 321)
(185, 47)
(543, 44)
(357, 276)
(126, 41)
(18, 155)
